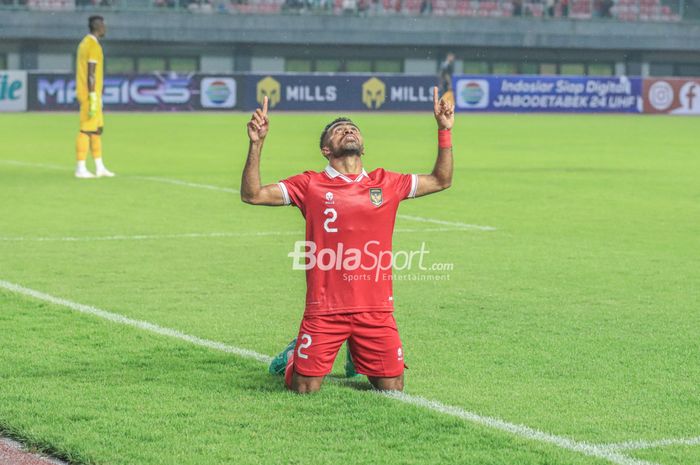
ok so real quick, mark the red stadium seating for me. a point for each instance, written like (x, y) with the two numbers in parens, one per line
(624, 10)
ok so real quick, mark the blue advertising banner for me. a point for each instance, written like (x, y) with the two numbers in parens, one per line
(140, 92)
(351, 92)
(340, 92)
(520, 94)
(187, 92)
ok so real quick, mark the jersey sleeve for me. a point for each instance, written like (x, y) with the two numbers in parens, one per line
(294, 189)
(405, 185)
(93, 53)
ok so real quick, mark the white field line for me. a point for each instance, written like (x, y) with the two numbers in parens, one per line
(144, 325)
(46, 166)
(446, 223)
(593, 450)
(584, 448)
(179, 182)
(147, 237)
(633, 445)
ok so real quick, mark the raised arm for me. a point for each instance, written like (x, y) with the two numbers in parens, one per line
(252, 191)
(441, 177)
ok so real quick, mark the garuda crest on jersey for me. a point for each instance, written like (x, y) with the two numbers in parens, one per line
(375, 196)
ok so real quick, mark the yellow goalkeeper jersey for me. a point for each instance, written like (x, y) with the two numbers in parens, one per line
(89, 51)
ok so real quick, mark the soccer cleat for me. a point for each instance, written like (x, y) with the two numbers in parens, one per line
(279, 363)
(83, 174)
(349, 366)
(104, 173)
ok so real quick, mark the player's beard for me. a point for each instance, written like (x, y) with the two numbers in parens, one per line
(350, 149)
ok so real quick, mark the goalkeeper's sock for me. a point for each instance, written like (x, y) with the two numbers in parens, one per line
(96, 148)
(82, 144)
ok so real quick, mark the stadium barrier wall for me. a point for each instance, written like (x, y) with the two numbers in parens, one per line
(36, 91)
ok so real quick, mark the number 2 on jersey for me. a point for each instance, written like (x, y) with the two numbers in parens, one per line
(332, 216)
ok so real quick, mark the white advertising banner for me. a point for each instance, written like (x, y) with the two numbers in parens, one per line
(13, 91)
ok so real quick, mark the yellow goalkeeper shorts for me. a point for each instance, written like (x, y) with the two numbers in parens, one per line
(88, 124)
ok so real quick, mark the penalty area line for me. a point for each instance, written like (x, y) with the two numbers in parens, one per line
(592, 450)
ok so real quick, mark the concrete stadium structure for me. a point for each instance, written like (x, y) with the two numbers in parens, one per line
(159, 40)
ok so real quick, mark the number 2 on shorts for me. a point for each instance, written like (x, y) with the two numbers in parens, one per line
(305, 342)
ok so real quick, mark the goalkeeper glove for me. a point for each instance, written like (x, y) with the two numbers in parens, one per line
(92, 107)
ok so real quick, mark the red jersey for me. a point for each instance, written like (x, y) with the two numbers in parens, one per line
(349, 225)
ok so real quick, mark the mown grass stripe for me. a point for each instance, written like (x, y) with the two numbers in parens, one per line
(592, 450)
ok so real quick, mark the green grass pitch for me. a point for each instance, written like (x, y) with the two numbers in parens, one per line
(578, 315)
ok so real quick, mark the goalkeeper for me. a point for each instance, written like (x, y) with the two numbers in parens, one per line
(89, 66)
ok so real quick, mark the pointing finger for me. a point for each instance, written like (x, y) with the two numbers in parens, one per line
(264, 109)
(435, 99)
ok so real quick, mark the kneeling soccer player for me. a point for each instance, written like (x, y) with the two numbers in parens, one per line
(348, 212)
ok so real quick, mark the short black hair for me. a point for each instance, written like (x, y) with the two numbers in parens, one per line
(92, 22)
(341, 119)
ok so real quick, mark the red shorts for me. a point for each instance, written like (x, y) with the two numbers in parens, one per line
(373, 339)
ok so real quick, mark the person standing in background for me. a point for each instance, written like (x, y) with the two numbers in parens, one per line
(565, 8)
(551, 6)
(517, 7)
(89, 66)
(447, 69)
